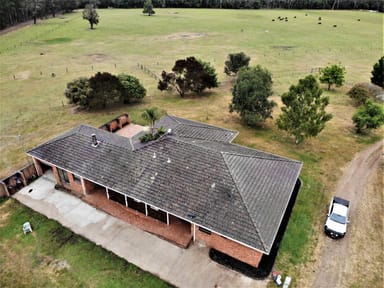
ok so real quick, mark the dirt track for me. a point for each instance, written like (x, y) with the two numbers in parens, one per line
(339, 262)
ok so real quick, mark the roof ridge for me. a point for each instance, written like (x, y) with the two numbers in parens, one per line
(181, 139)
(173, 117)
(150, 143)
(107, 137)
(244, 203)
(208, 126)
(202, 124)
(273, 156)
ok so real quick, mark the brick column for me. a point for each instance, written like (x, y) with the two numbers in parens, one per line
(39, 170)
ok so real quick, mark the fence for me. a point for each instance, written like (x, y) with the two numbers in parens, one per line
(19, 179)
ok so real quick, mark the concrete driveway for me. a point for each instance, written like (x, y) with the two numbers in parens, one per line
(190, 267)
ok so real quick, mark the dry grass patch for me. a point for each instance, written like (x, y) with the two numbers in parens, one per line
(369, 220)
(23, 75)
(98, 57)
(184, 35)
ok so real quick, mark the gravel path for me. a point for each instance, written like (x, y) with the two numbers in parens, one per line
(332, 266)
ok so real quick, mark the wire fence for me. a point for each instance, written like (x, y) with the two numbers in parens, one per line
(37, 36)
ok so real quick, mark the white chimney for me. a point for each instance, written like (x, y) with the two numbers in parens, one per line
(95, 142)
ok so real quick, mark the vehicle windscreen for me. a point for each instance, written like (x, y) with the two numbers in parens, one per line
(338, 218)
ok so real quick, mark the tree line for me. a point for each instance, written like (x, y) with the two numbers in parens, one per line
(16, 11)
(248, 4)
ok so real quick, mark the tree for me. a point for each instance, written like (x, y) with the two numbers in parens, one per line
(368, 116)
(333, 74)
(189, 75)
(35, 7)
(132, 90)
(359, 93)
(378, 73)
(69, 5)
(78, 92)
(235, 62)
(105, 89)
(90, 14)
(250, 93)
(148, 8)
(151, 115)
(304, 113)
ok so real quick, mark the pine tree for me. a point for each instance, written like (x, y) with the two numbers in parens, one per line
(304, 113)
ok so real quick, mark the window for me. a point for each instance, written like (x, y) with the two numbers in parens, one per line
(76, 178)
(206, 231)
(63, 175)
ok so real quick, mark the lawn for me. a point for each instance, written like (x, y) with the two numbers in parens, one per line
(33, 105)
(53, 256)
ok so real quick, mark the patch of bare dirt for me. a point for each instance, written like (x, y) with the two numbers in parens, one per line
(4, 215)
(3, 218)
(359, 255)
(98, 57)
(16, 27)
(283, 47)
(185, 35)
(58, 265)
(23, 75)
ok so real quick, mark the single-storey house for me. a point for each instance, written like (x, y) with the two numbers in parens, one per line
(231, 197)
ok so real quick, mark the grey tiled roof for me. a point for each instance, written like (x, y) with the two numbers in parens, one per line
(239, 192)
(191, 129)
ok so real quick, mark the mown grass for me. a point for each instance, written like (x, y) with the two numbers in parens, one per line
(33, 260)
(33, 105)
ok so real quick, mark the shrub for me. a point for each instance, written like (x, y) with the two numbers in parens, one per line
(106, 90)
(132, 89)
(378, 73)
(368, 116)
(78, 91)
(151, 137)
(103, 89)
(235, 62)
(359, 93)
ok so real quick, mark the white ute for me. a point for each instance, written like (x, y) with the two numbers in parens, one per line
(337, 220)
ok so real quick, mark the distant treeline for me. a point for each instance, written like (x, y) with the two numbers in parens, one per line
(16, 11)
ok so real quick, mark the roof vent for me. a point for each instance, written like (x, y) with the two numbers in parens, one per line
(154, 155)
(169, 160)
(169, 131)
(95, 142)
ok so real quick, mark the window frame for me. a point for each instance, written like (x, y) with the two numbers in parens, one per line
(76, 178)
(204, 230)
(63, 176)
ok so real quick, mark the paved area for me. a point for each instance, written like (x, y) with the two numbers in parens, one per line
(177, 232)
(130, 130)
(190, 267)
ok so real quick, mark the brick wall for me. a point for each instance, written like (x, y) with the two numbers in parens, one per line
(89, 186)
(73, 185)
(3, 190)
(229, 247)
(29, 172)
